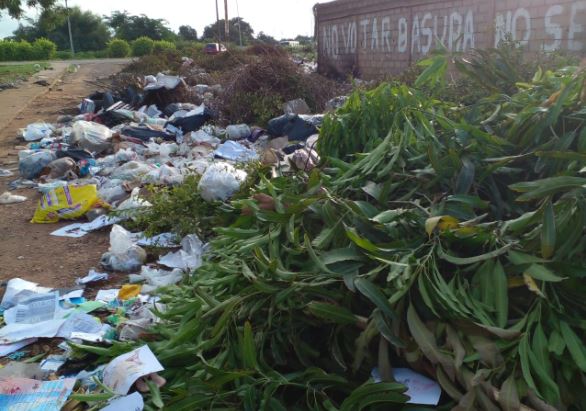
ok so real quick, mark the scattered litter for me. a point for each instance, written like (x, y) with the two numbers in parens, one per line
(164, 240)
(36, 309)
(123, 371)
(90, 136)
(79, 323)
(238, 131)
(155, 278)
(26, 394)
(66, 203)
(5, 173)
(188, 258)
(8, 349)
(32, 162)
(18, 369)
(220, 182)
(128, 291)
(18, 290)
(9, 198)
(232, 150)
(107, 296)
(53, 362)
(37, 131)
(93, 276)
(123, 255)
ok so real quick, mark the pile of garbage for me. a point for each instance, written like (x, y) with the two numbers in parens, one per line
(91, 168)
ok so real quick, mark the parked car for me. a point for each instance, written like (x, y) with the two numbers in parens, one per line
(214, 48)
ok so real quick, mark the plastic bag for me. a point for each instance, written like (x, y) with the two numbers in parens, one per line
(238, 131)
(131, 206)
(188, 258)
(9, 198)
(67, 203)
(164, 175)
(93, 137)
(31, 163)
(123, 254)
(220, 182)
(37, 131)
(131, 171)
(154, 278)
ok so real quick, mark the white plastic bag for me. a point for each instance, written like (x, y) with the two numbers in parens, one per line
(154, 278)
(220, 182)
(123, 255)
(131, 171)
(132, 205)
(188, 258)
(91, 136)
(37, 131)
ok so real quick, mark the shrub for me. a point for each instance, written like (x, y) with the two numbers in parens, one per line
(118, 48)
(24, 51)
(142, 46)
(162, 46)
(101, 54)
(7, 50)
(44, 49)
(63, 55)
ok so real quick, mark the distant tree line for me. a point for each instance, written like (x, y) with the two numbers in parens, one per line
(117, 35)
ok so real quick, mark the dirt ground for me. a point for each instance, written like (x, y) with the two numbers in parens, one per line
(28, 250)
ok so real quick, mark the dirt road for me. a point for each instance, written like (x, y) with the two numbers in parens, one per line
(27, 250)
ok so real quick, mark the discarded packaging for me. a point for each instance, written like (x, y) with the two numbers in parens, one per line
(90, 136)
(27, 394)
(220, 182)
(154, 278)
(62, 168)
(93, 276)
(232, 150)
(66, 203)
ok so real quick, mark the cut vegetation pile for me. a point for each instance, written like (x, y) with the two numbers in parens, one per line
(444, 238)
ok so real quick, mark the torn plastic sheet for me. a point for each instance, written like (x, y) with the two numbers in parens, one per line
(232, 150)
(188, 258)
(17, 332)
(77, 230)
(155, 278)
(164, 240)
(7, 349)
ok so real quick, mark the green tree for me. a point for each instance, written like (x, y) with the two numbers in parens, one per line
(304, 40)
(211, 32)
(265, 38)
(15, 7)
(130, 28)
(89, 32)
(187, 33)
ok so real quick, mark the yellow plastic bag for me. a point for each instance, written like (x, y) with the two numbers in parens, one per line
(129, 291)
(67, 203)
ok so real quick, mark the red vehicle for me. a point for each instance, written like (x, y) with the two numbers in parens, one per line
(214, 48)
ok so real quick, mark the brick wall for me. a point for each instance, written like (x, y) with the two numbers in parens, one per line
(372, 38)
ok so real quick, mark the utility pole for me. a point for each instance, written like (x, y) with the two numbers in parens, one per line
(218, 22)
(226, 22)
(69, 27)
(239, 23)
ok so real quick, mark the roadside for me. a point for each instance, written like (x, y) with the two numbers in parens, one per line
(27, 250)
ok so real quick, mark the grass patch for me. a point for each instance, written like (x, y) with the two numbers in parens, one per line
(12, 73)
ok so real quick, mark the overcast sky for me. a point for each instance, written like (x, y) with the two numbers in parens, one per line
(279, 18)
